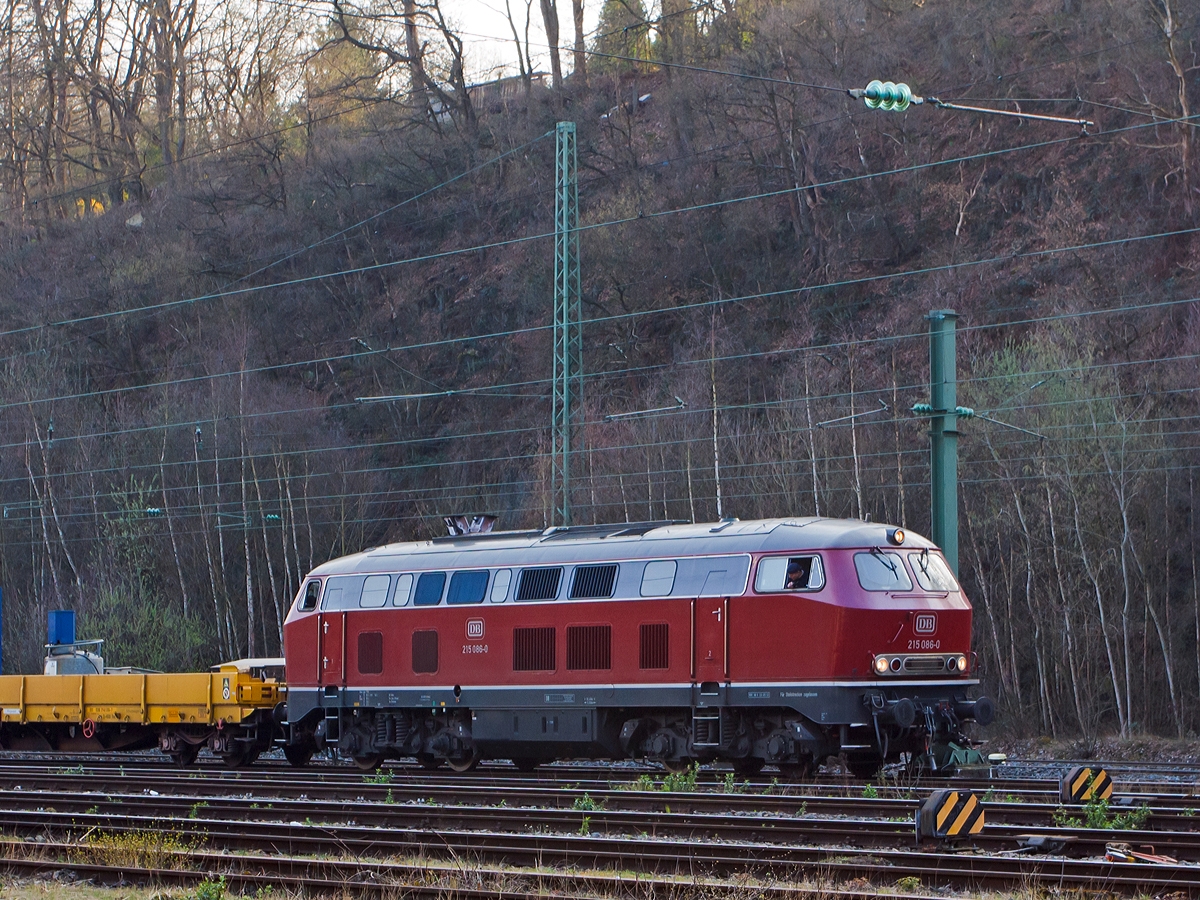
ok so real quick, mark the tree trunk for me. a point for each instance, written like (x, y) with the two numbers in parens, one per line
(550, 21)
(251, 642)
(218, 617)
(162, 474)
(1068, 631)
(581, 77)
(1094, 577)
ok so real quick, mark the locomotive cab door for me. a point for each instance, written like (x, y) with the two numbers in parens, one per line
(331, 632)
(710, 640)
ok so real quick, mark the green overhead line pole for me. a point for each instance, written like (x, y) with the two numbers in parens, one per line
(567, 389)
(943, 412)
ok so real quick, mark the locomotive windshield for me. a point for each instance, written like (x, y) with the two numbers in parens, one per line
(932, 572)
(879, 571)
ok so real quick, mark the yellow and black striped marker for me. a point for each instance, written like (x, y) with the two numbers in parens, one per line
(1083, 784)
(949, 815)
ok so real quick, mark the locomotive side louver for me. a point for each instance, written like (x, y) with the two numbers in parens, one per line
(593, 582)
(654, 643)
(589, 647)
(539, 584)
(533, 649)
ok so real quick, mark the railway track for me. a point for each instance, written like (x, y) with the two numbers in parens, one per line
(424, 879)
(863, 823)
(812, 830)
(78, 793)
(662, 855)
(1130, 776)
(1026, 801)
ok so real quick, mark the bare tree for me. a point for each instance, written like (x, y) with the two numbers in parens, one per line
(171, 27)
(580, 75)
(374, 30)
(550, 23)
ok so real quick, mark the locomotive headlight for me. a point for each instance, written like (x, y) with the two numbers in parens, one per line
(962, 664)
(881, 664)
(896, 536)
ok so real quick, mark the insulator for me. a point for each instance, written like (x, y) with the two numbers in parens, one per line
(888, 95)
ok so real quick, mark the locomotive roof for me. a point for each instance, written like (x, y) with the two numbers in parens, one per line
(620, 541)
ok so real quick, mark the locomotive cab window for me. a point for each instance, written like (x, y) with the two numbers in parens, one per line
(879, 571)
(429, 589)
(789, 573)
(308, 600)
(467, 587)
(932, 572)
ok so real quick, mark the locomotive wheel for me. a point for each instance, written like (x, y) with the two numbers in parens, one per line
(429, 761)
(676, 766)
(526, 764)
(368, 762)
(748, 766)
(186, 755)
(465, 763)
(299, 755)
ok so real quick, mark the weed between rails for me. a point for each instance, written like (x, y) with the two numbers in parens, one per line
(673, 783)
(137, 849)
(1096, 814)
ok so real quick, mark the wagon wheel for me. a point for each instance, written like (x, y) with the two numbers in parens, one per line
(298, 755)
(185, 755)
(526, 764)
(235, 758)
(748, 766)
(465, 763)
(368, 762)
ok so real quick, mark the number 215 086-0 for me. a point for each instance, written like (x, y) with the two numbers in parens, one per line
(475, 648)
(918, 644)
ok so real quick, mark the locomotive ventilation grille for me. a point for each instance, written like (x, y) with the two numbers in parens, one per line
(654, 643)
(924, 664)
(539, 584)
(591, 582)
(533, 649)
(589, 647)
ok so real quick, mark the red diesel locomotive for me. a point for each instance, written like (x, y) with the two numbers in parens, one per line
(778, 641)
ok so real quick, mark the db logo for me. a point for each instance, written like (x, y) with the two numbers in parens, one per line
(925, 623)
(474, 629)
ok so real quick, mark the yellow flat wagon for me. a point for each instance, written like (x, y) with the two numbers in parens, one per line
(229, 710)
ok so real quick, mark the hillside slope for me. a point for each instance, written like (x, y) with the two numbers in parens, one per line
(753, 240)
